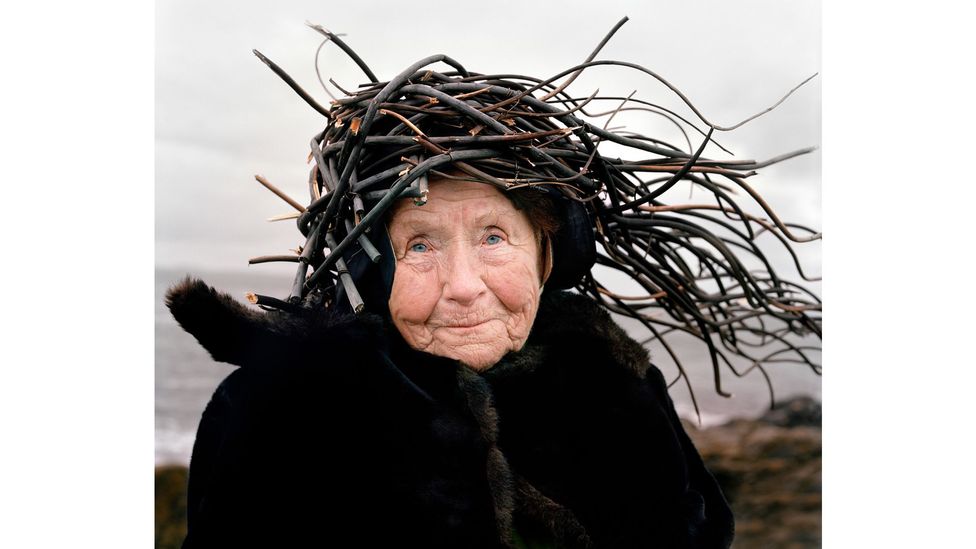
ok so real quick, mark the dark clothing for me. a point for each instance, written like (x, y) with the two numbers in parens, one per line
(334, 433)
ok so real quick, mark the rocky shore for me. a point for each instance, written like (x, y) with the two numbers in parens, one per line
(769, 469)
(170, 506)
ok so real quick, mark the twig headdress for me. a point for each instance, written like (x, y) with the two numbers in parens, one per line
(383, 141)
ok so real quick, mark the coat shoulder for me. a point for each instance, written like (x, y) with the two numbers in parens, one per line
(245, 336)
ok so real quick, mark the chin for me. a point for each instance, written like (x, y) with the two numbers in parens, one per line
(480, 361)
(479, 366)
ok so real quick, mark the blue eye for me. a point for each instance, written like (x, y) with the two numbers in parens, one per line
(493, 239)
(419, 247)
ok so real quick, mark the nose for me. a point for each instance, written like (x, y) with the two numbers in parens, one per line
(462, 276)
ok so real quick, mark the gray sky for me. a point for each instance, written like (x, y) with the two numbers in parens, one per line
(222, 116)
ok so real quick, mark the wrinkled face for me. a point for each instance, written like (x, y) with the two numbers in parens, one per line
(467, 279)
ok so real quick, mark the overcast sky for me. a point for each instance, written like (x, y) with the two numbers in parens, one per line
(222, 116)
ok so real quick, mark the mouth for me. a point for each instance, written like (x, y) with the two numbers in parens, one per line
(466, 326)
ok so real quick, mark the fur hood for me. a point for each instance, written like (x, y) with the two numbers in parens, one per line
(360, 440)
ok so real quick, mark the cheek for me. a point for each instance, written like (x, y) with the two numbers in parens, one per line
(414, 294)
(516, 284)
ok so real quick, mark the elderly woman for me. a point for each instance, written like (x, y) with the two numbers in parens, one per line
(430, 381)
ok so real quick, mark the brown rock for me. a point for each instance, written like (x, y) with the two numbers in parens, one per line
(770, 471)
(170, 506)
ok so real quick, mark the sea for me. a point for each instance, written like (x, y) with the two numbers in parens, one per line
(186, 376)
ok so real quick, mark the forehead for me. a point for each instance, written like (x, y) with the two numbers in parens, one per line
(455, 200)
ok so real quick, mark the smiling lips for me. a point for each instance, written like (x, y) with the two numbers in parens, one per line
(475, 325)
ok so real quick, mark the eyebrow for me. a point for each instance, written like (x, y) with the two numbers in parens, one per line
(422, 223)
(419, 225)
(491, 215)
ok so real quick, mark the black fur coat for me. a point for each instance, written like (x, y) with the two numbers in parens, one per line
(333, 433)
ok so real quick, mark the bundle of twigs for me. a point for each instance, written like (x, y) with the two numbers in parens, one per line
(385, 139)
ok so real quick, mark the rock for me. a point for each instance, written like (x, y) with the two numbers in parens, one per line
(803, 411)
(171, 482)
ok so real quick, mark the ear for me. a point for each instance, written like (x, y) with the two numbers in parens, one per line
(546, 258)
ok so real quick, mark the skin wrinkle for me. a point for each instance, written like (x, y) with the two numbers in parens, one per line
(467, 281)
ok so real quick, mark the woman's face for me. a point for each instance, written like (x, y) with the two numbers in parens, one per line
(467, 280)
